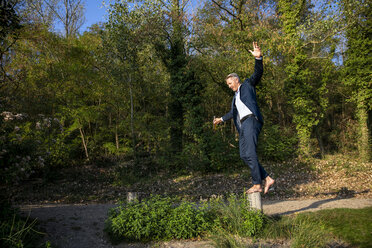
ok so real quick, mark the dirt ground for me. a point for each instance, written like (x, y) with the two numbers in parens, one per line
(81, 225)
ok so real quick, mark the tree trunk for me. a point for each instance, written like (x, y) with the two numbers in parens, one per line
(320, 142)
(132, 120)
(116, 137)
(364, 143)
(304, 140)
(84, 143)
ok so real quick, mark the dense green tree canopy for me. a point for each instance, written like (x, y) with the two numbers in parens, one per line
(146, 84)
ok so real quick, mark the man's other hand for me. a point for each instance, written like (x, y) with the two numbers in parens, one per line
(217, 121)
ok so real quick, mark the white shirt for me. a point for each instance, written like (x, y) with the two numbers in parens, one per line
(243, 110)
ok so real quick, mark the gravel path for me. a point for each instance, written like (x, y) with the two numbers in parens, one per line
(81, 226)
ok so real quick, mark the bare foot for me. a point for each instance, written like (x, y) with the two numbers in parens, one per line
(268, 182)
(254, 188)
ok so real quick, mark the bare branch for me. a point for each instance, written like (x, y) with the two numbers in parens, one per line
(226, 10)
(230, 13)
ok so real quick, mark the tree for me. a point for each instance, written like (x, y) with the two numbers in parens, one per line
(358, 66)
(170, 46)
(124, 41)
(40, 12)
(9, 20)
(10, 24)
(306, 92)
(70, 13)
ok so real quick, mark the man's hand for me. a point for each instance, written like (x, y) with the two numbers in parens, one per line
(256, 50)
(217, 121)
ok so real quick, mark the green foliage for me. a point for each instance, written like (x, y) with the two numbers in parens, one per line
(236, 217)
(357, 76)
(222, 155)
(9, 21)
(157, 219)
(276, 144)
(15, 231)
(164, 218)
(188, 221)
(304, 88)
(211, 153)
(145, 85)
(31, 147)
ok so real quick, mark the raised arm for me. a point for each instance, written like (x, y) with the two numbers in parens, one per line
(258, 66)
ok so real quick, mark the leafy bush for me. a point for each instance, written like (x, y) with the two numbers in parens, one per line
(165, 218)
(211, 153)
(157, 219)
(277, 144)
(188, 221)
(29, 147)
(16, 231)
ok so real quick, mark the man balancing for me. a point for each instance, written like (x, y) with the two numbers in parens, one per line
(248, 121)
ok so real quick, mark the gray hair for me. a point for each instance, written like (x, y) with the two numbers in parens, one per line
(233, 75)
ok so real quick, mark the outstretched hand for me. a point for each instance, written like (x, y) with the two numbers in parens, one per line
(256, 50)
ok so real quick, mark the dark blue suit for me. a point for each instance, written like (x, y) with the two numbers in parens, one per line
(251, 127)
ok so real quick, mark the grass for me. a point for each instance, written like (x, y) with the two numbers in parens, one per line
(354, 226)
(324, 228)
(16, 231)
(317, 229)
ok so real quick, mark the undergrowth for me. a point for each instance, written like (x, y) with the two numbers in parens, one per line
(164, 218)
(231, 223)
(16, 231)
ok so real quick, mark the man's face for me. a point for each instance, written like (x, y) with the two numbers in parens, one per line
(233, 83)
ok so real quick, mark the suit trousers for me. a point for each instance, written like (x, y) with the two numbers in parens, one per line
(248, 137)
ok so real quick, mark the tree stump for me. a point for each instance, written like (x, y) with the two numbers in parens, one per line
(132, 196)
(255, 200)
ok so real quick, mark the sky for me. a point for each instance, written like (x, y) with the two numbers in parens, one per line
(95, 12)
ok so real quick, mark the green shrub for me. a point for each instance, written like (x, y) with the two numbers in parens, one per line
(187, 221)
(164, 218)
(210, 153)
(157, 219)
(277, 144)
(140, 221)
(31, 147)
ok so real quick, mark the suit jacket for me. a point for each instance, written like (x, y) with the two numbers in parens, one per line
(247, 96)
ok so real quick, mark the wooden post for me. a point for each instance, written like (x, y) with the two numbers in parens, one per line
(132, 196)
(255, 200)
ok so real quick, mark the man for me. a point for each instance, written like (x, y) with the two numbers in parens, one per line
(248, 121)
